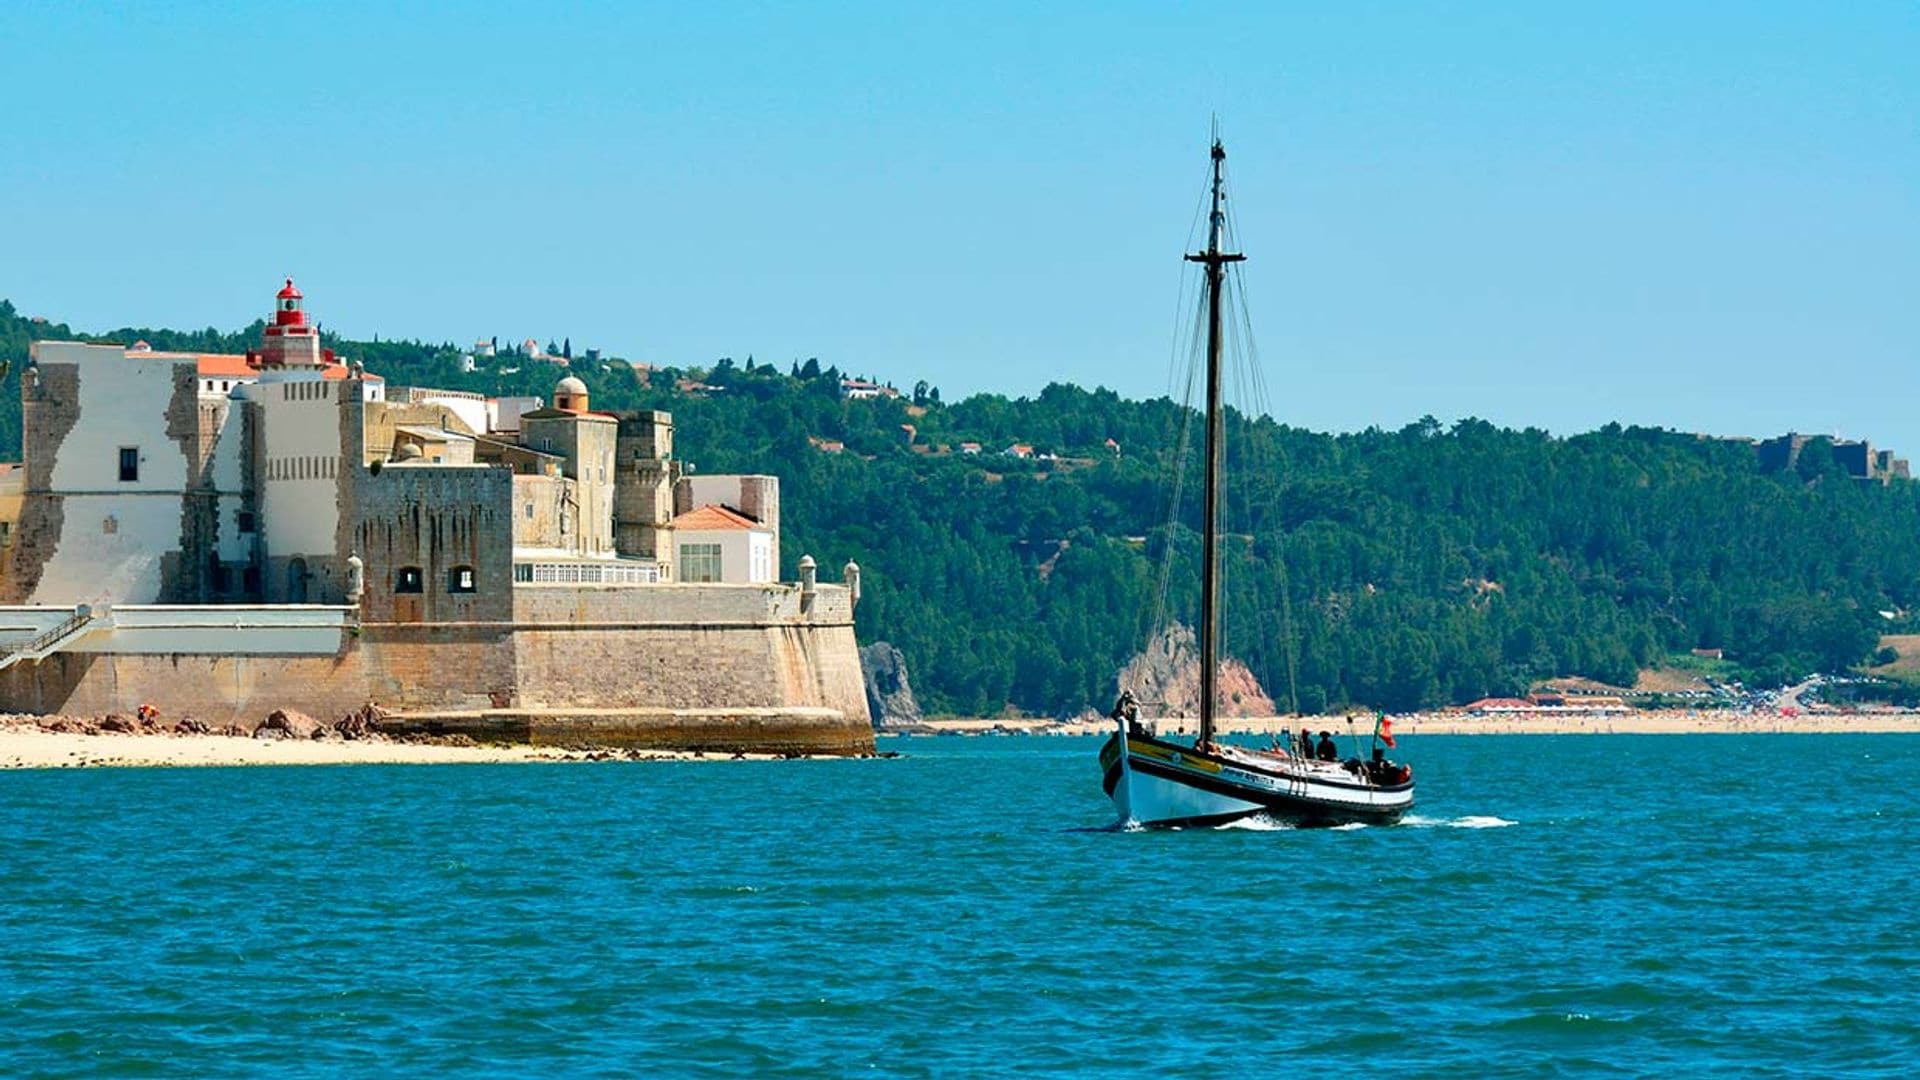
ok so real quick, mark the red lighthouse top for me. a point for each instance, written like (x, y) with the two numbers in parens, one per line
(289, 341)
(287, 308)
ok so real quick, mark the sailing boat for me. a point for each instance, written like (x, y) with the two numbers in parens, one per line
(1158, 782)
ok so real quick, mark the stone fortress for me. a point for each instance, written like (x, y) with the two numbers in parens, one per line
(221, 536)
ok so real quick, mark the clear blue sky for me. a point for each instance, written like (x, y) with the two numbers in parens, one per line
(1704, 216)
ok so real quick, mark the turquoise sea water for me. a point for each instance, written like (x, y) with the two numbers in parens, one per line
(1739, 905)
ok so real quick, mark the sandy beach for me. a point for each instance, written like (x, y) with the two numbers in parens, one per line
(27, 745)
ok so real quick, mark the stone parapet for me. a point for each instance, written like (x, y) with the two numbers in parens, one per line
(689, 606)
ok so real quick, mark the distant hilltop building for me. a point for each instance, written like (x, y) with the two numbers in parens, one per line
(863, 390)
(222, 535)
(1859, 459)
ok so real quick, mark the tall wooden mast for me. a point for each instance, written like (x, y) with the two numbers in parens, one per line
(1216, 262)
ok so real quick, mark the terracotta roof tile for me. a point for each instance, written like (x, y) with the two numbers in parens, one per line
(225, 366)
(705, 518)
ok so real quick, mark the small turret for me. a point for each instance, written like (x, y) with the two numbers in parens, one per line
(570, 395)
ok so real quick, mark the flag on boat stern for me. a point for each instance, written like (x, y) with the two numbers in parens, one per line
(1383, 728)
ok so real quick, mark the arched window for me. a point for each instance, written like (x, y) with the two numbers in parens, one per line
(461, 579)
(409, 579)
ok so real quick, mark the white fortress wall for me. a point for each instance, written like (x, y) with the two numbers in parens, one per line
(114, 532)
(219, 630)
(300, 466)
(190, 629)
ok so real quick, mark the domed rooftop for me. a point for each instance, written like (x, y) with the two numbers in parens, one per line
(570, 385)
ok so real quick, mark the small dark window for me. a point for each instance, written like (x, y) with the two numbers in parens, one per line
(250, 579)
(461, 579)
(409, 580)
(129, 464)
(246, 521)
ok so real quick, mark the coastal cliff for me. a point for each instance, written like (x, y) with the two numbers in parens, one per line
(889, 692)
(1165, 677)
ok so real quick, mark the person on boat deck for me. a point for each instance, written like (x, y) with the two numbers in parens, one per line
(1378, 768)
(1306, 744)
(1328, 751)
(1128, 709)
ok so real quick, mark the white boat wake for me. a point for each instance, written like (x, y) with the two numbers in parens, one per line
(1257, 823)
(1470, 821)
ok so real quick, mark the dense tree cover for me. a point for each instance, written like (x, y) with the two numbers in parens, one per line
(1397, 569)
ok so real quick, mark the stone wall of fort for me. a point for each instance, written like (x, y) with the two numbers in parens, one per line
(708, 667)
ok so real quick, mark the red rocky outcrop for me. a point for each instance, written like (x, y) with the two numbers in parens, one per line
(1166, 680)
(289, 724)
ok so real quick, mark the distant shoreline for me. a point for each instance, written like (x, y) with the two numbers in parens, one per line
(29, 746)
(1667, 722)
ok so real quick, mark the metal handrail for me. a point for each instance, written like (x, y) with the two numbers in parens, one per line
(48, 638)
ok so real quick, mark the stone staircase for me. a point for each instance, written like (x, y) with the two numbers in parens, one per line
(51, 640)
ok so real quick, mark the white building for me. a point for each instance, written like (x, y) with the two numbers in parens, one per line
(474, 410)
(753, 496)
(504, 413)
(714, 543)
(863, 390)
(220, 479)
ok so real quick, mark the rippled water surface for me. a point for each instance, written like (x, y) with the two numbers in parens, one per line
(1740, 905)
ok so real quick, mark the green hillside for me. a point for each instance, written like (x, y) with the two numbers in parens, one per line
(1434, 564)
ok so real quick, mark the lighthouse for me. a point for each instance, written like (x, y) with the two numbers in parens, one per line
(289, 342)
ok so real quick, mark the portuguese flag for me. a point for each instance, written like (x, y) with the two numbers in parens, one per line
(1383, 728)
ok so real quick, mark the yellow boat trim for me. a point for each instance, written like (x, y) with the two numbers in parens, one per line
(1172, 757)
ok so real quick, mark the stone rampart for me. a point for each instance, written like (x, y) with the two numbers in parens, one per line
(593, 679)
(215, 689)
